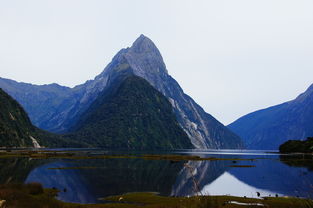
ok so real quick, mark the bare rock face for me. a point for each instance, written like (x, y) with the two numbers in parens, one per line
(142, 59)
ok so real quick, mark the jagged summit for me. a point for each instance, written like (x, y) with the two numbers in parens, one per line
(308, 93)
(143, 52)
(143, 44)
(60, 111)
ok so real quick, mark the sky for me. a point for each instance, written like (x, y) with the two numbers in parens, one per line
(231, 56)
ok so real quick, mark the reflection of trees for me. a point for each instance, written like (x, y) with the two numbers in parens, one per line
(199, 172)
(116, 176)
(301, 160)
(15, 170)
(304, 164)
(77, 189)
(107, 177)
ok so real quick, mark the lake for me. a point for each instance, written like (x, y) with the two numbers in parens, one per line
(237, 173)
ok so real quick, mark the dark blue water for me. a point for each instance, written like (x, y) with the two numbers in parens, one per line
(87, 180)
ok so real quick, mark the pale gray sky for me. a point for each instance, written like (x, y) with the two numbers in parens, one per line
(231, 56)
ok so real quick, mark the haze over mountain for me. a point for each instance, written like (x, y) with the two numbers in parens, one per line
(271, 127)
(56, 108)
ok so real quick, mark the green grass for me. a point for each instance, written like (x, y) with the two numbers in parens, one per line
(43, 154)
(34, 196)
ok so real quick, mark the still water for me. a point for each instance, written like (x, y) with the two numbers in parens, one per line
(88, 180)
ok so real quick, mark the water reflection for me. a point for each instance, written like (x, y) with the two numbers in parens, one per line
(298, 160)
(93, 179)
(273, 175)
(196, 174)
(15, 170)
(228, 184)
(84, 181)
(73, 186)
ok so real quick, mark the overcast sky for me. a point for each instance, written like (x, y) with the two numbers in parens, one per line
(232, 56)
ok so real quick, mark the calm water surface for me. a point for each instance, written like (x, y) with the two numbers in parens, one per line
(87, 180)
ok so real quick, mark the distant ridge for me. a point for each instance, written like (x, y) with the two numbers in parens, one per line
(16, 129)
(271, 127)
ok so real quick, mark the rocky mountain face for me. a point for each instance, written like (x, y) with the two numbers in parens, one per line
(16, 129)
(58, 111)
(48, 106)
(203, 130)
(15, 126)
(271, 127)
(131, 114)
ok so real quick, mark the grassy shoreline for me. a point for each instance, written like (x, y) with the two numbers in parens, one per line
(34, 196)
(59, 154)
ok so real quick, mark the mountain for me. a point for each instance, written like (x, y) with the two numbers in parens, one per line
(46, 105)
(58, 109)
(271, 127)
(15, 126)
(131, 114)
(16, 129)
(108, 177)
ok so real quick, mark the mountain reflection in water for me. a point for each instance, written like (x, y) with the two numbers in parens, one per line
(85, 181)
(93, 179)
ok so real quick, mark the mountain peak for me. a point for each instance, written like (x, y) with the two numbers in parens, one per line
(307, 94)
(143, 44)
(144, 58)
(142, 37)
(310, 89)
